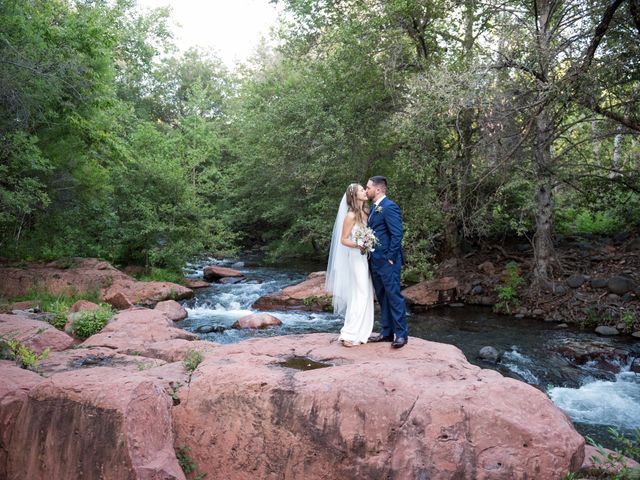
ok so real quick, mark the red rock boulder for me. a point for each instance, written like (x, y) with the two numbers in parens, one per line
(194, 284)
(14, 387)
(257, 321)
(35, 334)
(260, 409)
(172, 309)
(214, 272)
(140, 331)
(434, 292)
(308, 295)
(94, 423)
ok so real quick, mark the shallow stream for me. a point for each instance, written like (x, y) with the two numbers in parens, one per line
(595, 395)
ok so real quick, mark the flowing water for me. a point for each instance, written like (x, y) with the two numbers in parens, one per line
(596, 395)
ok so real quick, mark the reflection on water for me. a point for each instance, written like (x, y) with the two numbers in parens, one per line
(593, 397)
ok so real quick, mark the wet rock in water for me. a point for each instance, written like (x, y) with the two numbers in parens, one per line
(257, 321)
(635, 366)
(456, 305)
(308, 295)
(620, 285)
(636, 334)
(213, 272)
(238, 265)
(537, 312)
(606, 357)
(429, 414)
(519, 315)
(489, 354)
(606, 330)
(477, 290)
(561, 325)
(194, 284)
(576, 281)
(210, 329)
(230, 280)
(599, 283)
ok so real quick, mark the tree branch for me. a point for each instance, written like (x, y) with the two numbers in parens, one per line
(601, 29)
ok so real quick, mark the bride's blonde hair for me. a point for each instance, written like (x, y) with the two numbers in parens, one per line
(353, 204)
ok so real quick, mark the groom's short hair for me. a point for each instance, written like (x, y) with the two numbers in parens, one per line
(379, 181)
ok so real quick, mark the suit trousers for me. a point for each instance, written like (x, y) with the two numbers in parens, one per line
(386, 283)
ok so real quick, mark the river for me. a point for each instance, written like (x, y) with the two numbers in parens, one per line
(595, 396)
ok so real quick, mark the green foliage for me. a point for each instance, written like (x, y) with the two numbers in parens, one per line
(12, 349)
(508, 290)
(91, 322)
(629, 319)
(583, 220)
(187, 464)
(615, 460)
(192, 359)
(162, 275)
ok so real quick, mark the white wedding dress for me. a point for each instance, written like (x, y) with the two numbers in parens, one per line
(358, 317)
(348, 281)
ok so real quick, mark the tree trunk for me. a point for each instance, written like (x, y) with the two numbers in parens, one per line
(543, 239)
(595, 142)
(543, 250)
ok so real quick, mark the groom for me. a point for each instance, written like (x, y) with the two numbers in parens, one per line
(385, 262)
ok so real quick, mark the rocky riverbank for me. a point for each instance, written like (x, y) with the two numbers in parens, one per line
(300, 406)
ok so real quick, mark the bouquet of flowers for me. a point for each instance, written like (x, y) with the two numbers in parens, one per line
(365, 240)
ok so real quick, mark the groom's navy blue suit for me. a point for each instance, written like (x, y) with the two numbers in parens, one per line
(386, 221)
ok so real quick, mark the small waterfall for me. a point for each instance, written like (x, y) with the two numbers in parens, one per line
(601, 402)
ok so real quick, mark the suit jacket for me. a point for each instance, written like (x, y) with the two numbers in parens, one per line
(386, 221)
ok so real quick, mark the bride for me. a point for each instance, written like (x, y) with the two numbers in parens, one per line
(348, 270)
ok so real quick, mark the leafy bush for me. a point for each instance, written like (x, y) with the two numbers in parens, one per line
(615, 461)
(91, 322)
(508, 291)
(12, 349)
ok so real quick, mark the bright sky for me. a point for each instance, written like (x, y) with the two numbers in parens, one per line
(232, 28)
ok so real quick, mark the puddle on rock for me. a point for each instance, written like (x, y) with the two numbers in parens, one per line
(303, 363)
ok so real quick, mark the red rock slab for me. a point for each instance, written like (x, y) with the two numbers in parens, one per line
(257, 321)
(194, 284)
(146, 293)
(81, 305)
(172, 309)
(308, 295)
(79, 275)
(421, 411)
(84, 358)
(35, 334)
(94, 423)
(433, 292)
(14, 387)
(136, 331)
(214, 272)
